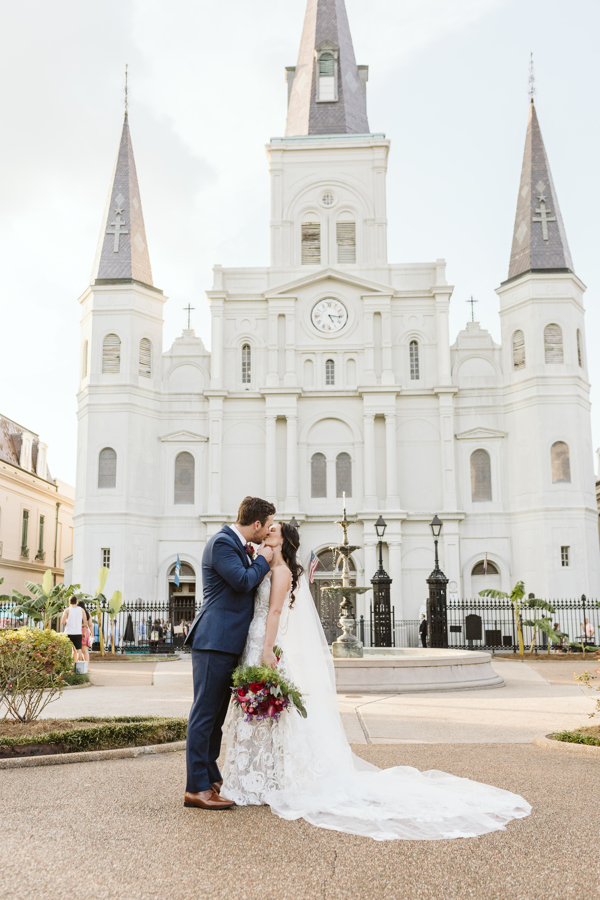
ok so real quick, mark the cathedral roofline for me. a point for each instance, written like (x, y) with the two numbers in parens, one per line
(544, 273)
(335, 275)
(316, 138)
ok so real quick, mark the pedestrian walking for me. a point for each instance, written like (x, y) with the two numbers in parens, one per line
(72, 622)
(423, 630)
(86, 632)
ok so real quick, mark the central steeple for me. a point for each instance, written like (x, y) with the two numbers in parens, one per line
(327, 90)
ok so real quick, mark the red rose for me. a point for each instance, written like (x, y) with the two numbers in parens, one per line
(256, 686)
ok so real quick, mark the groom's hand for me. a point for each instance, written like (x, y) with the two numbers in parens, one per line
(267, 552)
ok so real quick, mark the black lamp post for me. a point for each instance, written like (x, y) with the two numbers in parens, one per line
(294, 523)
(382, 611)
(437, 620)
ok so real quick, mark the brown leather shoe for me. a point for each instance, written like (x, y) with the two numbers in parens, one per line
(207, 800)
(217, 785)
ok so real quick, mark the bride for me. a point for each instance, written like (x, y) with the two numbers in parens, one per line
(304, 768)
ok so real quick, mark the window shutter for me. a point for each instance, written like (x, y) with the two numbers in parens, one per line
(318, 475)
(184, 478)
(111, 355)
(561, 462)
(107, 468)
(311, 244)
(518, 350)
(553, 344)
(327, 65)
(346, 242)
(481, 475)
(414, 360)
(145, 369)
(343, 475)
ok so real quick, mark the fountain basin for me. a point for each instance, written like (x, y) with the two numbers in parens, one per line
(397, 670)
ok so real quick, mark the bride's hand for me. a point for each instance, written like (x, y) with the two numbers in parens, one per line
(269, 659)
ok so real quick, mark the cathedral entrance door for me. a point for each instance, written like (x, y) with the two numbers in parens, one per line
(329, 607)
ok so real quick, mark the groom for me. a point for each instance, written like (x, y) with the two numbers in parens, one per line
(218, 634)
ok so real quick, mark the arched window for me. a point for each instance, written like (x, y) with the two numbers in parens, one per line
(184, 478)
(579, 348)
(84, 362)
(329, 372)
(481, 475)
(145, 368)
(480, 568)
(518, 349)
(413, 351)
(343, 475)
(246, 364)
(346, 242)
(561, 463)
(107, 468)
(553, 344)
(318, 475)
(311, 244)
(309, 373)
(327, 87)
(350, 373)
(111, 355)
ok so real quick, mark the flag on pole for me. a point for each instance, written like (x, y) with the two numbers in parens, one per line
(177, 571)
(314, 562)
(485, 565)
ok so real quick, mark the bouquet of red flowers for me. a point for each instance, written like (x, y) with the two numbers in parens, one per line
(264, 693)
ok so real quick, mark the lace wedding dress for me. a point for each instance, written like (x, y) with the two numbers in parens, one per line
(304, 768)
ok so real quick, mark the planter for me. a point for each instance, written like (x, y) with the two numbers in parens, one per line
(549, 742)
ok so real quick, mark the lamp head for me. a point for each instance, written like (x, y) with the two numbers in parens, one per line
(294, 523)
(380, 526)
(436, 527)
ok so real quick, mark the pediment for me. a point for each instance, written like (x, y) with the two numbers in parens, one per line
(367, 287)
(183, 437)
(480, 434)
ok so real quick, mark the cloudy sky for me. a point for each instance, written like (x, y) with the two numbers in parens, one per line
(447, 84)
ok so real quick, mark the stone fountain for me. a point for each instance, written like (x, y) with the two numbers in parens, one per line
(347, 645)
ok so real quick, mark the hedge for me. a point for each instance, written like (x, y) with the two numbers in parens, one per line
(109, 734)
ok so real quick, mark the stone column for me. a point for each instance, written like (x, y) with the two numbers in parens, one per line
(216, 352)
(270, 459)
(215, 430)
(370, 497)
(369, 373)
(387, 374)
(391, 459)
(446, 401)
(290, 350)
(291, 501)
(442, 308)
(272, 367)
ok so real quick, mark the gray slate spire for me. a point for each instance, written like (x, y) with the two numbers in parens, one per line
(122, 249)
(325, 29)
(539, 239)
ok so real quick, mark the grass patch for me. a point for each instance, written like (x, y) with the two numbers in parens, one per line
(76, 735)
(589, 736)
(72, 678)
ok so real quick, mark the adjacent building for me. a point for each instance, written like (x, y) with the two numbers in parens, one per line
(332, 372)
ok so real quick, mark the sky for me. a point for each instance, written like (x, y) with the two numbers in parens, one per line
(448, 84)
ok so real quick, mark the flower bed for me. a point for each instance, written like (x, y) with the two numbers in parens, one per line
(589, 736)
(49, 736)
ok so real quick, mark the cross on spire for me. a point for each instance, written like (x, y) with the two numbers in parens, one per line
(543, 217)
(118, 229)
(472, 302)
(189, 309)
(531, 78)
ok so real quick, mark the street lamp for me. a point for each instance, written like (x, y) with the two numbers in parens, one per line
(437, 617)
(381, 581)
(294, 523)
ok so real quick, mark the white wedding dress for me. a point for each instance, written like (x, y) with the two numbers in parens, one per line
(304, 768)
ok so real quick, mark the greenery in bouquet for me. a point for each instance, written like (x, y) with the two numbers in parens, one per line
(264, 693)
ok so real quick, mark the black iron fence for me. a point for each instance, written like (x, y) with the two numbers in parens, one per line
(478, 624)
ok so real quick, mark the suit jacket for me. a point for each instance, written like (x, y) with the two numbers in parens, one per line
(228, 583)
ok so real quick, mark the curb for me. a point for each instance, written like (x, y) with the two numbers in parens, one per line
(61, 759)
(546, 743)
(77, 687)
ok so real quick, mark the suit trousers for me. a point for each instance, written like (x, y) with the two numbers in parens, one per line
(212, 672)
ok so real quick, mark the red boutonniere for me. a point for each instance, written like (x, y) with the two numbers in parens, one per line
(249, 550)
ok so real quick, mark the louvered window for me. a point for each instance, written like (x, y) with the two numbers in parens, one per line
(84, 365)
(311, 244)
(25, 533)
(318, 475)
(480, 568)
(246, 364)
(553, 344)
(519, 350)
(184, 478)
(41, 535)
(111, 355)
(561, 463)
(346, 242)
(107, 468)
(413, 349)
(145, 369)
(343, 475)
(481, 476)
(327, 85)
(579, 350)
(330, 372)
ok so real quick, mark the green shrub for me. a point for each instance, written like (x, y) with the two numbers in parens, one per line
(108, 734)
(574, 737)
(74, 678)
(32, 667)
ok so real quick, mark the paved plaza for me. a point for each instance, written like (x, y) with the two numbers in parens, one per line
(118, 829)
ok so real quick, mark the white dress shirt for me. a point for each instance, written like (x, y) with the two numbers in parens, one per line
(239, 535)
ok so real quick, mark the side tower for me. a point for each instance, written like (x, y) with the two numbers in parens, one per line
(550, 461)
(118, 401)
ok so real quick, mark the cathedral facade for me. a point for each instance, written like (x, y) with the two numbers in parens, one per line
(331, 373)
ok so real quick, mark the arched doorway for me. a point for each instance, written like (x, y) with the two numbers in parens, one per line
(182, 601)
(480, 580)
(329, 607)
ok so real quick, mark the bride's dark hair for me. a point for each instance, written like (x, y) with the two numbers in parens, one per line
(289, 551)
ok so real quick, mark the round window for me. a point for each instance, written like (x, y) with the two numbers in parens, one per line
(327, 199)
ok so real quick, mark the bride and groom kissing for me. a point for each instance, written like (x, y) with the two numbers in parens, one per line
(300, 767)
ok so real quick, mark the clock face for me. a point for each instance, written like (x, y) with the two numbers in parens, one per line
(329, 315)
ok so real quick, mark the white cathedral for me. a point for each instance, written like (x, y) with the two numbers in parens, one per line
(331, 371)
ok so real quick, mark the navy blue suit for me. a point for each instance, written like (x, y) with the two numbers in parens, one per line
(217, 637)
